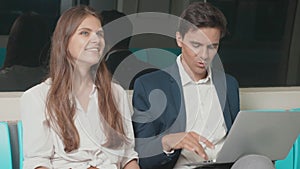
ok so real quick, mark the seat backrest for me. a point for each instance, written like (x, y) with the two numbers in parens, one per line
(5, 148)
(269, 98)
(9, 109)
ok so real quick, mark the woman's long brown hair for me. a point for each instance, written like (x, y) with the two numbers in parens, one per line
(60, 104)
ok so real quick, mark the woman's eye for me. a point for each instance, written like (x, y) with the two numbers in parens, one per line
(100, 34)
(195, 45)
(85, 33)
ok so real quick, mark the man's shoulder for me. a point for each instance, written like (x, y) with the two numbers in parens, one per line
(231, 79)
(168, 72)
(154, 76)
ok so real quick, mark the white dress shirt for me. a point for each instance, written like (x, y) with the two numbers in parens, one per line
(44, 147)
(203, 114)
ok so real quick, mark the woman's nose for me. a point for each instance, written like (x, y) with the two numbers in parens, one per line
(95, 38)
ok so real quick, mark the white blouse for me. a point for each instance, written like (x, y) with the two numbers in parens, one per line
(43, 146)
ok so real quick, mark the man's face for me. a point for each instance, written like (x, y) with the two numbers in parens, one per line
(198, 49)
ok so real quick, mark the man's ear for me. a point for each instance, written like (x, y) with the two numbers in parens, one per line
(179, 39)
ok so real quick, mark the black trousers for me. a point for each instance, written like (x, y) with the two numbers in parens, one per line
(216, 166)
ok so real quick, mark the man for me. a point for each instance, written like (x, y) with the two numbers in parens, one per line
(182, 114)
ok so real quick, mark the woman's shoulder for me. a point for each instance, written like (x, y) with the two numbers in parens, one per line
(40, 89)
(117, 87)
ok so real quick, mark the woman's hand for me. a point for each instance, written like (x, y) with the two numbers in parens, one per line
(132, 165)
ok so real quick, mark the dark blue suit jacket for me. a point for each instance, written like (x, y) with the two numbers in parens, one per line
(159, 110)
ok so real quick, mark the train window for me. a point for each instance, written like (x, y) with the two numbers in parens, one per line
(10, 10)
(257, 50)
(260, 50)
(261, 47)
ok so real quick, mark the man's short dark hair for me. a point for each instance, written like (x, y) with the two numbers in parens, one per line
(201, 15)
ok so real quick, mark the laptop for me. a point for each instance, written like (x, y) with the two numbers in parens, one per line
(270, 133)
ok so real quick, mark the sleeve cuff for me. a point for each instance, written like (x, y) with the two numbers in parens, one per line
(169, 152)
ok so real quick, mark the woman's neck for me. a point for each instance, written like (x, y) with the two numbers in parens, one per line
(82, 80)
(82, 88)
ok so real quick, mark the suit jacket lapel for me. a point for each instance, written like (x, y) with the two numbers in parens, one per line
(220, 83)
(176, 92)
(175, 84)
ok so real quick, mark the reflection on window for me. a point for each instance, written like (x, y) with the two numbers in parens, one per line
(256, 50)
(11, 9)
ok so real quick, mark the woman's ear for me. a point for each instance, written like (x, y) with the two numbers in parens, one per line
(179, 39)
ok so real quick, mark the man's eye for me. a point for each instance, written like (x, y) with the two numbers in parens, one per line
(212, 47)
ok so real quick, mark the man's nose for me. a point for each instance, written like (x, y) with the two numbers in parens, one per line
(203, 53)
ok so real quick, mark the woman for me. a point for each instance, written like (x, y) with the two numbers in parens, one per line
(77, 118)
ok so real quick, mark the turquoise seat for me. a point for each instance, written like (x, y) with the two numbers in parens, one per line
(20, 139)
(297, 148)
(5, 148)
(297, 154)
(266, 110)
(287, 163)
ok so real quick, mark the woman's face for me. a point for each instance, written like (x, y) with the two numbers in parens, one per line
(87, 43)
